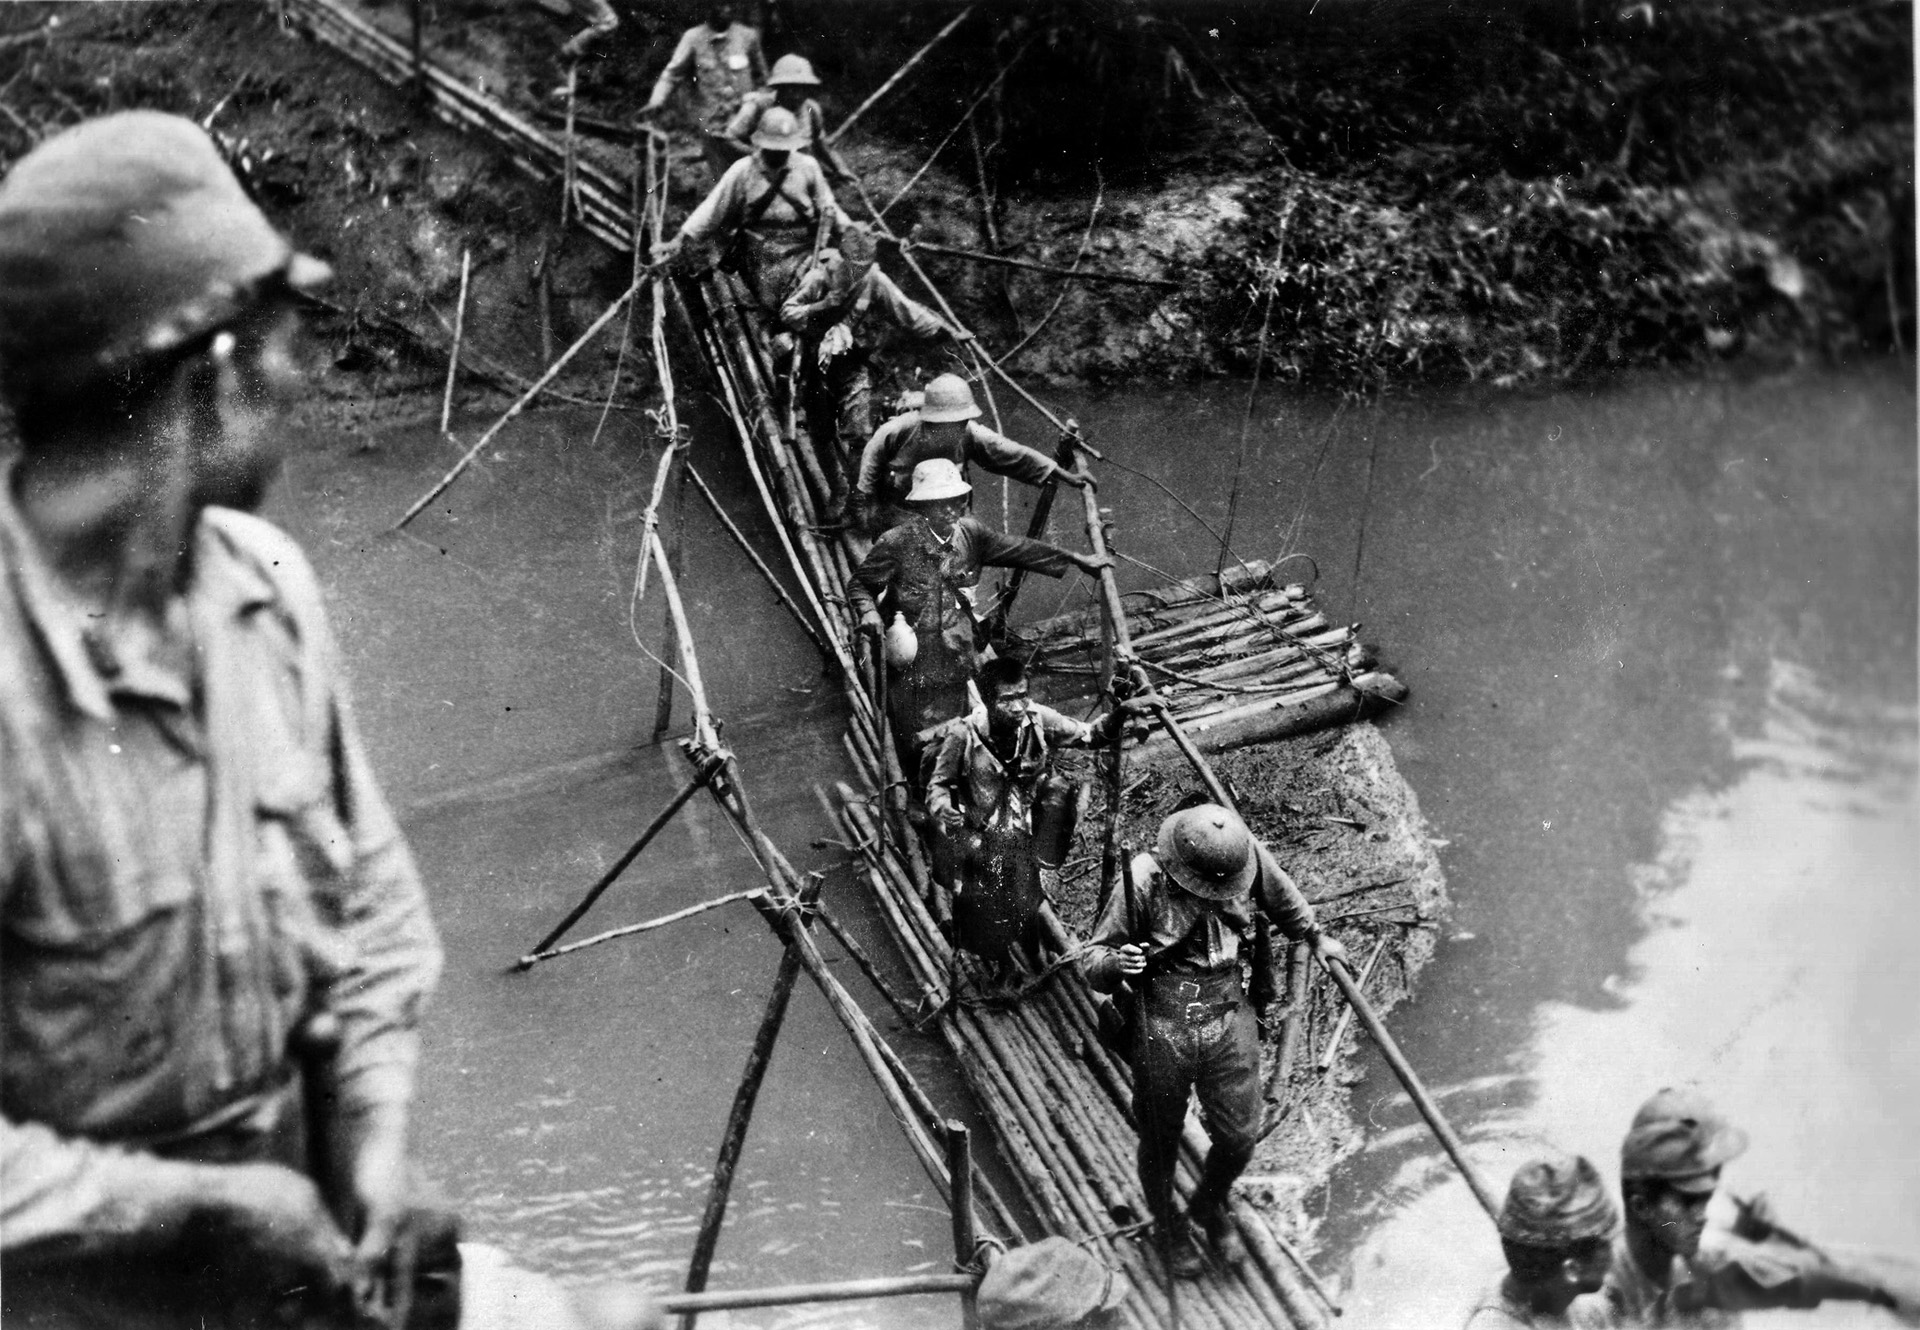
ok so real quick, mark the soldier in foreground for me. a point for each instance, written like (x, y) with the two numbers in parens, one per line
(1669, 1268)
(214, 947)
(1174, 931)
(1556, 1230)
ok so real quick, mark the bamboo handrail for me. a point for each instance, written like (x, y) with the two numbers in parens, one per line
(899, 74)
(845, 1290)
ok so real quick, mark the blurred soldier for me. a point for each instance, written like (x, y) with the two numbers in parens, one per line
(1175, 930)
(946, 426)
(1668, 1268)
(788, 87)
(214, 948)
(768, 217)
(719, 61)
(1556, 1229)
(838, 312)
(925, 571)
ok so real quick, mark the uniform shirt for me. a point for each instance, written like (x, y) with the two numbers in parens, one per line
(931, 582)
(813, 123)
(190, 867)
(782, 220)
(816, 305)
(897, 447)
(1727, 1276)
(970, 772)
(723, 67)
(1184, 933)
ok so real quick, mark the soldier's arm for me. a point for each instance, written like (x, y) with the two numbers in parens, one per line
(1062, 730)
(739, 130)
(906, 313)
(870, 581)
(874, 458)
(1003, 551)
(756, 57)
(1741, 1275)
(823, 152)
(949, 769)
(1121, 923)
(1001, 455)
(679, 65)
(1281, 898)
(720, 211)
(62, 1198)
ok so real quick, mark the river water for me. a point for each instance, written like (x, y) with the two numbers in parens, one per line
(1661, 641)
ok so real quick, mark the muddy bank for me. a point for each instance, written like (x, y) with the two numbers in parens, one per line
(1352, 196)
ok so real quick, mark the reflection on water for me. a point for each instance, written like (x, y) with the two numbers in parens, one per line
(1776, 972)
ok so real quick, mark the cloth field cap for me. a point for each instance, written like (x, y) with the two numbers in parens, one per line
(1208, 851)
(936, 479)
(1680, 1138)
(1557, 1201)
(127, 237)
(792, 71)
(948, 398)
(778, 131)
(1046, 1285)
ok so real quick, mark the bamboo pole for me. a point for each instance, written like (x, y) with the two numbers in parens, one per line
(553, 372)
(631, 929)
(845, 1290)
(654, 828)
(673, 556)
(734, 1138)
(1324, 1064)
(459, 333)
(960, 1169)
(1063, 457)
(899, 74)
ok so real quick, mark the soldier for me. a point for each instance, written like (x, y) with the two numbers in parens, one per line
(788, 87)
(601, 21)
(214, 947)
(720, 62)
(838, 312)
(945, 425)
(1668, 1268)
(1175, 931)
(925, 571)
(1556, 1229)
(983, 788)
(769, 216)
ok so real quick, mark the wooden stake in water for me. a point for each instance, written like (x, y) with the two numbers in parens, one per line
(459, 332)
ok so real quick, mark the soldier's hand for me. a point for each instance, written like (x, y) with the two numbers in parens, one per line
(1076, 477)
(666, 252)
(382, 1259)
(961, 337)
(951, 818)
(1132, 959)
(871, 625)
(1092, 564)
(277, 1236)
(1329, 948)
(1755, 1220)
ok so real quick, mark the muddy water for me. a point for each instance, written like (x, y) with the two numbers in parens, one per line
(1661, 639)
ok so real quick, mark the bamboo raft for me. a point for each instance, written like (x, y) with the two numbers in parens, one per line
(1236, 659)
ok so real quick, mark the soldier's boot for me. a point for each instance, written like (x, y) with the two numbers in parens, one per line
(1179, 1247)
(1223, 1165)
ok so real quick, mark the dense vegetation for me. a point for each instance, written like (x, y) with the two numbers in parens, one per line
(1493, 190)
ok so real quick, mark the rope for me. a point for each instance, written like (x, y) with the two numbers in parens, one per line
(958, 125)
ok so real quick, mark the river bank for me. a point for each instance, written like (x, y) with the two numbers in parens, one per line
(1335, 198)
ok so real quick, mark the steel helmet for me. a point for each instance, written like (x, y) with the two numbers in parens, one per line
(792, 71)
(936, 479)
(779, 131)
(1208, 851)
(948, 398)
(126, 237)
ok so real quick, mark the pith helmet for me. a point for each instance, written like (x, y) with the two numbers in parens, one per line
(948, 398)
(1208, 850)
(1046, 1285)
(122, 238)
(794, 71)
(1680, 1138)
(936, 479)
(779, 131)
(1557, 1201)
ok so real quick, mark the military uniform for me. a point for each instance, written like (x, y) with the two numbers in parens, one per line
(719, 68)
(904, 442)
(1196, 1032)
(772, 222)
